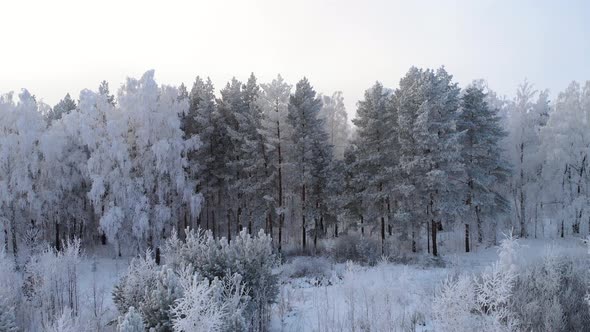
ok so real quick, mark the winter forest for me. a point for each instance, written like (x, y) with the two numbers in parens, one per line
(216, 207)
(294, 166)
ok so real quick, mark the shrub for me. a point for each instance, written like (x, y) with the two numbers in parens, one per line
(51, 282)
(131, 322)
(151, 289)
(250, 257)
(9, 295)
(310, 267)
(548, 295)
(364, 250)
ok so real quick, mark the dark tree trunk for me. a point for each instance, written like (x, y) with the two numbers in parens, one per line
(466, 237)
(157, 256)
(315, 233)
(303, 230)
(479, 225)
(382, 235)
(281, 218)
(57, 240)
(229, 226)
(362, 225)
(434, 231)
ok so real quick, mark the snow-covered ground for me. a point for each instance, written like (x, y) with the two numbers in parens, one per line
(387, 297)
(340, 297)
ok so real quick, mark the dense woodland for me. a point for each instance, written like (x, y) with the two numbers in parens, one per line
(210, 189)
(423, 157)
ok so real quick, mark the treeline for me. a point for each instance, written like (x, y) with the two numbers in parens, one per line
(424, 157)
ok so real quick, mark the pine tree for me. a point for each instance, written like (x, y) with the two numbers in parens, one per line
(482, 156)
(103, 89)
(312, 155)
(65, 106)
(376, 145)
(273, 102)
(427, 103)
(131, 322)
(202, 120)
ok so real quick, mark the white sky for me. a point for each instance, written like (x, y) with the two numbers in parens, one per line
(59, 46)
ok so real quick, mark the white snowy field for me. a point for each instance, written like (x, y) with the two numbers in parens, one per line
(318, 295)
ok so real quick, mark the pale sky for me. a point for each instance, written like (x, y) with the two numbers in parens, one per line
(59, 46)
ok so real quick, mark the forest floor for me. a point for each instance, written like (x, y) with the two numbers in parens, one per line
(319, 295)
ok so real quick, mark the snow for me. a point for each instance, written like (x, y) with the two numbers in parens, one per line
(389, 296)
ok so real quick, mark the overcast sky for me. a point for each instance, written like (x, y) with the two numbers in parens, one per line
(54, 47)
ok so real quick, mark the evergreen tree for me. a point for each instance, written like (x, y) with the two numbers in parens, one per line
(65, 106)
(103, 89)
(273, 102)
(376, 148)
(427, 102)
(312, 155)
(482, 156)
(202, 120)
(131, 322)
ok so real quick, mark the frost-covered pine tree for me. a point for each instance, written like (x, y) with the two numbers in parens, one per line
(64, 106)
(256, 182)
(312, 155)
(376, 154)
(427, 104)
(131, 322)
(202, 120)
(273, 101)
(482, 156)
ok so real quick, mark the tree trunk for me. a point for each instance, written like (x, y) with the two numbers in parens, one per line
(434, 230)
(57, 241)
(315, 233)
(280, 160)
(270, 227)
(479, 226)
(466, 237)
(303, 230)
(428, 231)
(228, 225)
(382, 235)
(362, 226)
(281, 221)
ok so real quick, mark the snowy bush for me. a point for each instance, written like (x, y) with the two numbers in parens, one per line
(9, 293)
(131, 322)
(482, 302)
(66, 322)
(199, 310)
(250, 257)
(365, 250)
(309, 267)
(51, 282)
(548, 295)
(453, 305)
(151, 289)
